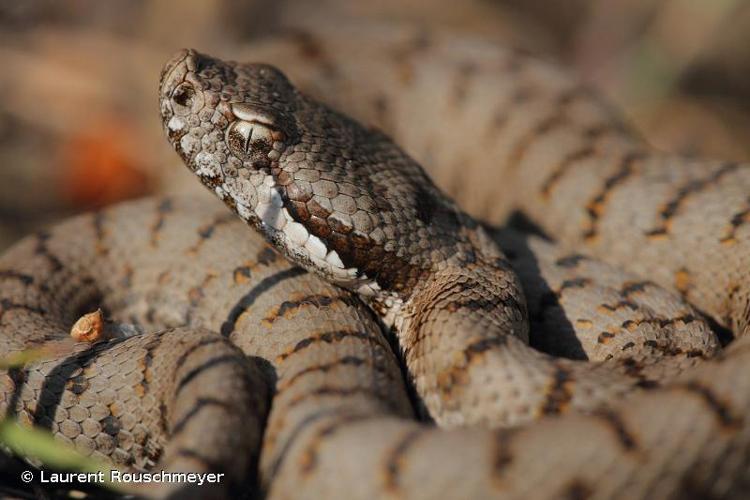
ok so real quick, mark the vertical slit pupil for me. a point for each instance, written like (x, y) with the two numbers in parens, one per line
(248, 142)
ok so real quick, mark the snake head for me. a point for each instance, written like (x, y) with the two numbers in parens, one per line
(223, 119)
(334, 196)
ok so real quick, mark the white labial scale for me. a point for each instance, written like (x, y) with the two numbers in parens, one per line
(369, 288)
(316, 253)
(316, 247)
(303, 246)
(333, 259)
(264, 191)
(270, 207)
(276, 198)
(207, 164)
(302, 242)
(176, 124)
(271, 215)
(342, 276)
(296, 233)
(189, 144)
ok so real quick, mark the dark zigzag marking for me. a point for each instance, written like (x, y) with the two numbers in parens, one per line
(577, 489)
(97, 221)
(727, 417)
(315, 300)
(570, 160)
(330, 337)
(209, 464)
(626, 438)
(595, 206)
(200, 404)
(9, 274)
(738, 220)
(325, 367)
(250, 297)
(450, 378)
(634, 287)
(165, 206)
(659, 322)
(325, 431)
(206, 232)
(237, 358)
(204, 342)
(395, 459)
(7, 305)
(42, 249)
(545, 126)
(148, 359)
(559, 393)
(571, 261)
(503, 454)
(672, 207)
(326, 391)
(294, 434)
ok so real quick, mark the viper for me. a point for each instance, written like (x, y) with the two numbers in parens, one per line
(362, 295)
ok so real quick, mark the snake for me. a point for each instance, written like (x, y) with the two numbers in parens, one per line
(371, 336)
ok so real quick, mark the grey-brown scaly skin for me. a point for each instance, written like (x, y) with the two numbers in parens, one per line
(346, 203)
(582, 308)
(341, 425)
(182, 399)
(518, 134)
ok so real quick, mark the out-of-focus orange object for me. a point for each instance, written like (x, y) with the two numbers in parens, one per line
(98, 166)
(89, 327)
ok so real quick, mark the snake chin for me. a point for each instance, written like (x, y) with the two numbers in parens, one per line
(280, 228)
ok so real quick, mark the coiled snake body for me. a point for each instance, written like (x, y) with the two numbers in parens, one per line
(344, 202)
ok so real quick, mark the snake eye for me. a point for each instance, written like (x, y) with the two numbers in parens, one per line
(238, 137)
(250, 140)
(184, 99)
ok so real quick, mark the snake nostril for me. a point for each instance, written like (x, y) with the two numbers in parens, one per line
(183, 95)
(185, 99)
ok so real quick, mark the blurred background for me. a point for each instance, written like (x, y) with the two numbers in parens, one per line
(79, 125)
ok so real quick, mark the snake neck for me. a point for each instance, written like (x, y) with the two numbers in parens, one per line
(473, 293)
(470, 299)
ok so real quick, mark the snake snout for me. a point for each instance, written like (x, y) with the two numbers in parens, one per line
(174, 71)
(180, 84)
